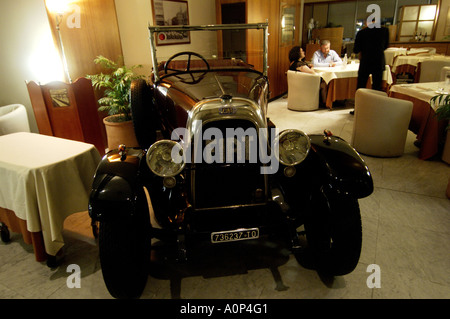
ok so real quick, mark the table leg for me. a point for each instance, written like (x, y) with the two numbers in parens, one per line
(4, 233)
(55, 261)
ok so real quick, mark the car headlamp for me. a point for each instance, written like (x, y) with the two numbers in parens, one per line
(165, 158)
(294, 146)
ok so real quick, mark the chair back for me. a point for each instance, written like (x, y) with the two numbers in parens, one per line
(303, 91)
(444, 71)
(13, 119)
(430, 70)
(380, 124)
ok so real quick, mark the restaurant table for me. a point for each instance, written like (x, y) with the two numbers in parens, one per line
(44, 179)
(424, 123)
(342, 81)
(409, 63)
(391, 53)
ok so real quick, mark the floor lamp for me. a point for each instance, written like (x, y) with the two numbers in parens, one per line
(59, 7)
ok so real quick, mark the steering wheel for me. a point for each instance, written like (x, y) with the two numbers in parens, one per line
(188, 66)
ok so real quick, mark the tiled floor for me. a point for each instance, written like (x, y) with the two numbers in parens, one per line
(406, 232)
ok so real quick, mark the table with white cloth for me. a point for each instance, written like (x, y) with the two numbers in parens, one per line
(342, 81)
(391, 53)
(430, 131)
(409, 63)
(44, 179)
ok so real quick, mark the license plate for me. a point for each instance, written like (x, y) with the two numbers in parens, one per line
(235, 235)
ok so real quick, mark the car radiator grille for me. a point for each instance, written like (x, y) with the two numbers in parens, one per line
(218, 183)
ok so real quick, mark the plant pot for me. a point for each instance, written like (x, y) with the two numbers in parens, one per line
(119, 133)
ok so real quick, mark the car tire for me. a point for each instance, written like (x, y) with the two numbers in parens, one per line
(143, 113)
(124, 249)
(334, 238)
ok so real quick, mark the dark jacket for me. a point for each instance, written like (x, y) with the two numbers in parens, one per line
(296, 64)
(371, 43)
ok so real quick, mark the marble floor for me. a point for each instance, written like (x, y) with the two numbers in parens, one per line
(406, 233)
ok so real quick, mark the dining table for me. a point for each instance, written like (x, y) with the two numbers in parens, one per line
(342, 81)
(429, 130)
(409, 63)
(391, 53)
(44, 179)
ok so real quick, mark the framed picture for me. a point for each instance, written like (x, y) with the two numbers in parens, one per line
(171, 12)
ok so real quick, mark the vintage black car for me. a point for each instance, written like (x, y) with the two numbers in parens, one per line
(217, 170)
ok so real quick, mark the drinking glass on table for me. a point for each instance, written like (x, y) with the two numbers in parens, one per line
(447, 81)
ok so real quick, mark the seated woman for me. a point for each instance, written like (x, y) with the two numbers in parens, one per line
(298, 63)
(297, 59)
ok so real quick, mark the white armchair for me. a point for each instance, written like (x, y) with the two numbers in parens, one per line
(444, 71)
(13, 118)
(430, 70)
(303, 91)
(380, 124)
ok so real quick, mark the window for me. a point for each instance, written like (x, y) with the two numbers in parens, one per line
(350, 14)
(417, 22)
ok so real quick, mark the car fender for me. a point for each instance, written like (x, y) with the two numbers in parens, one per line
(116, 186)
(345, 170)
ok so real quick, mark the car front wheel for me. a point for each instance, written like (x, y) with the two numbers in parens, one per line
(124, 246)
(333, 237)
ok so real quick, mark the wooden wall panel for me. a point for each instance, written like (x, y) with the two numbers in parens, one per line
(39, 108)
(68, 111)
(62, 110)
(260, 11)
(284, 48)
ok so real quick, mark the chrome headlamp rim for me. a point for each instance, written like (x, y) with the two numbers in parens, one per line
(279, 139)
(159, 144)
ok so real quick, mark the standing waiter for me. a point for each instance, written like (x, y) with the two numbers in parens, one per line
(370, 43)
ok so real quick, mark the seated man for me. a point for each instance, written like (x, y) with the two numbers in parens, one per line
(326, 57)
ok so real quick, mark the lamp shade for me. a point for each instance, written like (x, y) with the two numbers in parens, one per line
(57, 6)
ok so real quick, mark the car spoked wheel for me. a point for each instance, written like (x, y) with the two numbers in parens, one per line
(124, 246)
(333, 238)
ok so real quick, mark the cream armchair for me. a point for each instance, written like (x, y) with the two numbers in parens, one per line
(303, 91)
(380, 124)
(430, 70)
(444, 71)
(13, 118)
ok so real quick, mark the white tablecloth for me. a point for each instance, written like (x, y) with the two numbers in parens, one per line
(415, 59)
(420, 91)
(350, 71)
(44, 179)
(391, 53)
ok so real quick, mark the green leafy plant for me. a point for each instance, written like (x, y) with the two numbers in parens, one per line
(117, 84)
(442, 103)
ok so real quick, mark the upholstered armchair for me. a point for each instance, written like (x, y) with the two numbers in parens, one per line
(13, 118)
(303, 91)
(380, 124)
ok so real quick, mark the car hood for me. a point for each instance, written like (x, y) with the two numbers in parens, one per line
(214, 84)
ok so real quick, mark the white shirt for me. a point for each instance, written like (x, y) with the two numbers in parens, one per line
(319, 60)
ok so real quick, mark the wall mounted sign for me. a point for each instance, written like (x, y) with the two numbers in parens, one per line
(60, 97)
(171, 12)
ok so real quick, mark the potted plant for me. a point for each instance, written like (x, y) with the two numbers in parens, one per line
(116, 101)
(443, 113)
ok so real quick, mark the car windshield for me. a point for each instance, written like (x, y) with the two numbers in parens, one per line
(186, 48)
